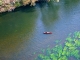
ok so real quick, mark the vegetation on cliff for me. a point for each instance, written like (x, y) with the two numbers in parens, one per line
(9, 5)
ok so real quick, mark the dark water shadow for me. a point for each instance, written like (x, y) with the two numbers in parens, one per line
(49, 12)
(27, 9)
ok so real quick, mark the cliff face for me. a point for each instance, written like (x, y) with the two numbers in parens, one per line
(9, 5)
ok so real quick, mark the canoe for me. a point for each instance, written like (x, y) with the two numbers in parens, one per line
(47, 32)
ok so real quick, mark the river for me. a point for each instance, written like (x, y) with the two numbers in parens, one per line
(21, 31)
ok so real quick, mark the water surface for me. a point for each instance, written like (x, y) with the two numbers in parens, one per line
(21, 31)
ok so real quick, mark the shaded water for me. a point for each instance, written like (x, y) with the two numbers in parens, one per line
(21, 31)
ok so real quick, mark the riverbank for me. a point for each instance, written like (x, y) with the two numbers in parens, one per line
(10, 5)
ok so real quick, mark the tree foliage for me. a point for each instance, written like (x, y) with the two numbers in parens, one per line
(63, 52)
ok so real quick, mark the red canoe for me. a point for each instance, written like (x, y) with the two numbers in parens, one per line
(47, 32)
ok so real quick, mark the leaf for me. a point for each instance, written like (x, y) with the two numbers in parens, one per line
(64, 52)
(69, 44)
(77, 42)
(65, 48)
(41, 56)
(63, 58)
(54, 49)
(72, 48)
(59, 50)
(53, 57)
(67, 53)
(46, 58)
(48, 51)
(69, 39)
(79, 36)
(75, 53)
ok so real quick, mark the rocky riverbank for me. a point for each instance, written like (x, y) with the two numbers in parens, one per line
(9, 5)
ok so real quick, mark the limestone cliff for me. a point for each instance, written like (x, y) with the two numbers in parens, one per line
(9, 5)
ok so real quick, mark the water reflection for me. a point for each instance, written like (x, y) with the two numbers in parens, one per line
(49, 13)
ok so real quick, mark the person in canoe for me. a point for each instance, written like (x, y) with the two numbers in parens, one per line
(47, 32)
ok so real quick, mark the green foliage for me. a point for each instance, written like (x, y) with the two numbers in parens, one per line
(77, 34)
(77, 42)
(53, 56)
(60, 52)
(17, 4)
(63, 58)
(69, 44)
(0, 2)
(69, 39)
